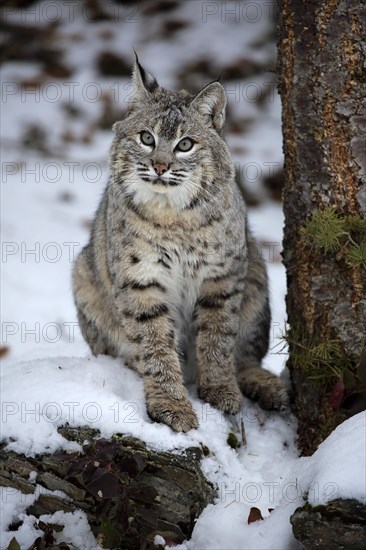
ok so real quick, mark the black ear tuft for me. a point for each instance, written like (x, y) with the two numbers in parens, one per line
(148, 79)
(143, 82)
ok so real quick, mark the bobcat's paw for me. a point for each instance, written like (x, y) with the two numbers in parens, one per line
(266, 388)
(178, 414)
(225, 398)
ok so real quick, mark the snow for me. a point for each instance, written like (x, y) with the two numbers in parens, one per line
(43, 394)
(337, 469)
(48, 376)
(338, 466)
(14, 504)
(159, 540)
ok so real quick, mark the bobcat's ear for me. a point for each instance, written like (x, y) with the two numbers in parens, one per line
(211, 103)
(143, 84)
(116, 126)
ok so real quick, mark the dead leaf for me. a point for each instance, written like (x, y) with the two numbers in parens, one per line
(254, 515)
(4, 350)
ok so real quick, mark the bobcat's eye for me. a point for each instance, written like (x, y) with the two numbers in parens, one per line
(185, 145)
(147, 138)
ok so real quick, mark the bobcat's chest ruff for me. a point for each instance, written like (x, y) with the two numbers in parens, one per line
(182, 272)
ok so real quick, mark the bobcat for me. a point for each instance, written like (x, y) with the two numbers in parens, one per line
(171, 275)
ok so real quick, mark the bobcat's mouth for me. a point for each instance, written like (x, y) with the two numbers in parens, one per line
(166, 182)
(159, 181)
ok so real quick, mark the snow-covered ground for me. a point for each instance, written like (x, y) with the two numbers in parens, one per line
(49, 194)
(267, 473)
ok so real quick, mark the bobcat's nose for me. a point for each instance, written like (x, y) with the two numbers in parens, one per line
(160, 168)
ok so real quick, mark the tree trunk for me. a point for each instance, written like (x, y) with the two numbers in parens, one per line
(321, 81)
(128, 493)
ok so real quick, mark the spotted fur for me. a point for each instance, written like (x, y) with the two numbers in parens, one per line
(171, 279)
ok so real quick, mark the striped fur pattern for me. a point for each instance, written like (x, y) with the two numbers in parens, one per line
(171, 280)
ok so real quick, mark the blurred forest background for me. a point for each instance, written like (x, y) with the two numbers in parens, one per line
(66, 79)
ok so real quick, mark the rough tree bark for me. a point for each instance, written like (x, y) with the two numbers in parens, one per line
(321, 81)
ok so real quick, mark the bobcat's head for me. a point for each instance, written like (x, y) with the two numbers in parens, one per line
(169, 147)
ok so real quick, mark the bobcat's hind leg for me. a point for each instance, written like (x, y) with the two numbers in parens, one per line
(253, 338)
(265, 387)
(95, 314)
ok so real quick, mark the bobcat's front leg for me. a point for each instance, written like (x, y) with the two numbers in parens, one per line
(217, 326)
(149, 328)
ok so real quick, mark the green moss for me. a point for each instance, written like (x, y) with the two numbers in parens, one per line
(356, 225)
(325, 230)
(309, 508)
(332, 232)
(79, 434)
(233, 441)
(356, 255)
(111, 538)
(14, 544)
(322, 361)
